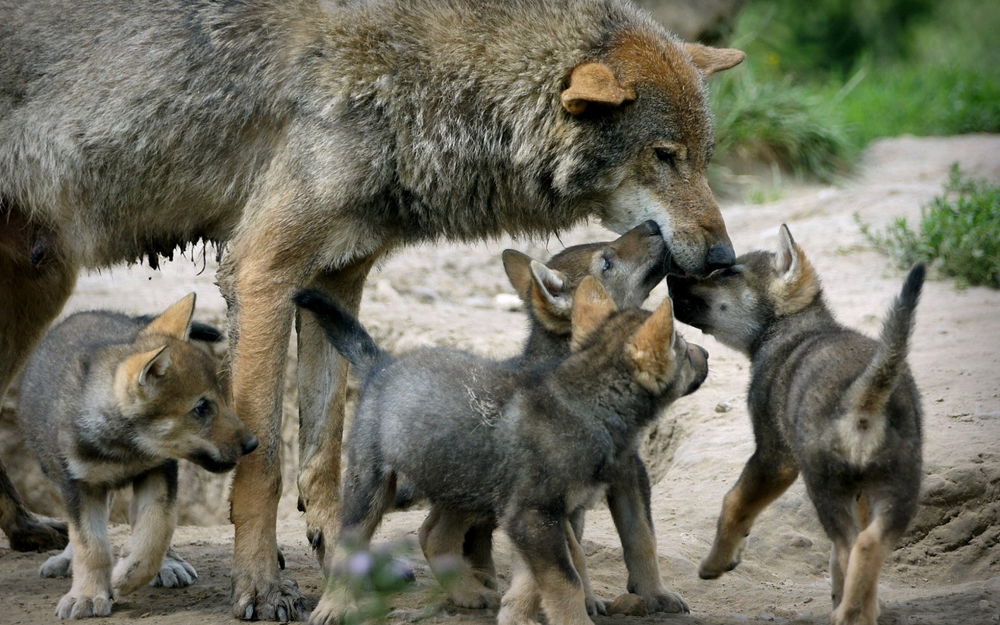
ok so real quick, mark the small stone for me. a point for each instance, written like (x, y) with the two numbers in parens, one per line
(724, 406)
(507, 301)
(629, 605)
(801, 541)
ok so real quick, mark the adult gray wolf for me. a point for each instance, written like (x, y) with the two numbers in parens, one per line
(533, 445)
(311, 137)
(824, 399)
(109, 400)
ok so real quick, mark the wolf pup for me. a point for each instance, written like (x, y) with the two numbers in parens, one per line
(531, 444)
(628, 268)
(826, 401)
(109, 400)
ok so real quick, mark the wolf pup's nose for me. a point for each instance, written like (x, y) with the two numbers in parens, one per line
(651, 228)
(249, 444)
(720, 256)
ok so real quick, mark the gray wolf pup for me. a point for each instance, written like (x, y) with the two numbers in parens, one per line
(310, 137)
(532, 444)
(628, 269)
(825, 400)
(109, 400)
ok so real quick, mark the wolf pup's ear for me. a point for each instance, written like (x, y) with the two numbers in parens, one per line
(710, 60)
(517, 265)
(651, 348)
(796, 284)
(140, 371)
(175, 321)
(593, 83)
(592, 306)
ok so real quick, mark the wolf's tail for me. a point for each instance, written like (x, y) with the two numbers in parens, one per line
(343, 330)
(870, 393)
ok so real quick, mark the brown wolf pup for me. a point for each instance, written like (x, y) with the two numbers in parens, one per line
(532, 444)
(109, 400)
(628, 269)
(311, 137)
(825, 400)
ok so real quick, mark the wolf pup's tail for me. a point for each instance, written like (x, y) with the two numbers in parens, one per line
(870, 393)
(343, 330)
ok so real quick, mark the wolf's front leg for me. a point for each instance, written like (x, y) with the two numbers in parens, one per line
(90, 594)
(153, 516)
(629, 502)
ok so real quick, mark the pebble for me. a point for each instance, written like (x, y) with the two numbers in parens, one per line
(724, 406)
(507, 301)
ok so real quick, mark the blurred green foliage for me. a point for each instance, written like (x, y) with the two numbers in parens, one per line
(825, 78)
(958, 234)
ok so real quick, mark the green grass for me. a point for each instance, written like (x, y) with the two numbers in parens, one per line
(958, 234)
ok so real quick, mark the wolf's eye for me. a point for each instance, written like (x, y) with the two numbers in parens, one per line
(204, 408)
(606, 264)
(668, 156)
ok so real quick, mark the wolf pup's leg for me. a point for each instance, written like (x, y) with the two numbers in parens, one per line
(368, 494)
(542, 540)
(521, 603)
(478, 550)
(859, 605)
(595, 606)
(35, 281)
(59, 565)
(441, 538)
(90, 594)
(765, 477)
(629, 502)
(153, 515)
(322, 381)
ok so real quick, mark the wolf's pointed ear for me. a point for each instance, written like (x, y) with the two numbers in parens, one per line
(797, 284)
(144, 368)
(175, 321)
(709, 60)
(549, 290)
(651, 348)
(518, 268)
(593, 83)
(592, 306)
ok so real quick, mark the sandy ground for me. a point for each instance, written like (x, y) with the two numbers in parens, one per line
(946, 570)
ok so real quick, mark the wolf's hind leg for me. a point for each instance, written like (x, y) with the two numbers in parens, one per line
(441, 538)
(35, 282)
(859, 605)
(90, 594)
(153, 516)
(764, 479)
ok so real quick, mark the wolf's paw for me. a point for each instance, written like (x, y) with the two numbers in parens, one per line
(33, 532)
(486, 578)
(175, 572)
(596, 606)
(75, 606)
(712, 568)
(267, 600)
(60, 565)
(470, 593)
(333, 605)
(507, 616)
(666, 601)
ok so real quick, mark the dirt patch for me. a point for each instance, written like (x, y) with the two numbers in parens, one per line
(946, 570)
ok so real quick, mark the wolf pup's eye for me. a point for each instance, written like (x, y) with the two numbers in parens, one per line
(203, 409)
(606, 264)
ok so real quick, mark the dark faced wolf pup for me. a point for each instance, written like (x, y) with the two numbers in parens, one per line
(525, 445)
(825, 400)
(109, 400)
(628, 268)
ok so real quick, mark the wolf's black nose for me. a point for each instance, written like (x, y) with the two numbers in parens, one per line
(249, 444)
(720, 256)
(651, 228)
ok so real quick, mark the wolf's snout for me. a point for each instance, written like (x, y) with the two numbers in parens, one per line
(651, 228)
(698, 356)
(249, 444)
(720, 256)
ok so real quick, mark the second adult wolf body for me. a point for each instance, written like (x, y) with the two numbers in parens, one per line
(311, 137)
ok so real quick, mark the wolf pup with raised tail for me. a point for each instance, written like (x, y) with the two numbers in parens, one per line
(109, 400)
(628, 268)
(839, 407)
(532, 444)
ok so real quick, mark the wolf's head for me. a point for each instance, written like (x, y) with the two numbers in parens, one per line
(736, 304)
(628, 268)
(170, 391)
(646, 137)
(633, 349)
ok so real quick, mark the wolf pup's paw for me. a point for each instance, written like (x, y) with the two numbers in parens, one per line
(175, 572)
(666, 601)
(33, 532)
(278, 600)
(74, 606)
(335, 602)
(471, 593)
(713, 566)
(60, 565)
(596, 606)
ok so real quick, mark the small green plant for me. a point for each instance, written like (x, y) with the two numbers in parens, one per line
(373, 577)
(958, 234)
